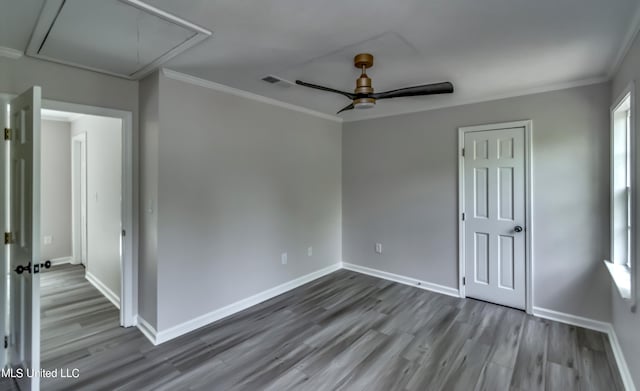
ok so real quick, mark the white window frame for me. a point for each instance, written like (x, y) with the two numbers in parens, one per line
(623, 269)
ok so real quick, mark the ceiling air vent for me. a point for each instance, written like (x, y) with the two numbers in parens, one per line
(277, 81)
(125, 38)
(271, 79)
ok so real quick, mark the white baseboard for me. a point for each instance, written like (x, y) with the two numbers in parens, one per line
(596, 325)
(61, 260)
(573, 320)
(108, 293)
(625, 373)
(158, 337)
(445, 290)
(146, 329)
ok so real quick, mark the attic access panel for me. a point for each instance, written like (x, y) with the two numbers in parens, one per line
(125, 38)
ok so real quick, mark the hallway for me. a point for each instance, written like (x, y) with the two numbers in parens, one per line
(81, 327)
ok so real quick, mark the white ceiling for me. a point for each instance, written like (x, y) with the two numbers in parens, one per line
(487, 48)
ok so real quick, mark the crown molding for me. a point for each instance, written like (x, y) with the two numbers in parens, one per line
(260, 98)
(627, 42)
(244, 94)
(10, 53)
(489, 98)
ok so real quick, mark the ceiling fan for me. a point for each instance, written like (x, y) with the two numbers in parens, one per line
(363, 96)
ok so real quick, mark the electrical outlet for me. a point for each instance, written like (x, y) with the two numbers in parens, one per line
(48, 239)
(379, 248)
(283, 258)
(310, 251)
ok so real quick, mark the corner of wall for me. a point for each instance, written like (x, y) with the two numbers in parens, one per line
(147, 202)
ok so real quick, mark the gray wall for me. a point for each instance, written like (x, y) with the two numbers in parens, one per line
(104, 190)
(148, 256)
(626, 323)
(55, 182)
(239, 183)
(400, 189)
(67, 84)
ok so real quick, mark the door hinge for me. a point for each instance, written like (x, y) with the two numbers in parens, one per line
(8, 238)
(462, 152)
(6, 341)
(124, 233)
(7, 133)
(463, 216)
(464, 280)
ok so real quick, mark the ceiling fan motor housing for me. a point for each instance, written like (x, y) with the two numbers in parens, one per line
(363, 89)
(363, 84)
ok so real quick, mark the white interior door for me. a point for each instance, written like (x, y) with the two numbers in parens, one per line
(24, 228)
(494, 224)
(4, 222)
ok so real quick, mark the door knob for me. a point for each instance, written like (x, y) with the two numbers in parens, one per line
(518, 228)
(36, 267)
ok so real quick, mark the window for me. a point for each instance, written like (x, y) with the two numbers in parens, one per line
(622, 190)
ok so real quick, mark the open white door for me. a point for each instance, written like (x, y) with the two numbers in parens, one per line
(24, 238)
(4, 222)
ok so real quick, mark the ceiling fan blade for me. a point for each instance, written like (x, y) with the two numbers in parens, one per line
(349, 107)
(427, 89)
(317, 87)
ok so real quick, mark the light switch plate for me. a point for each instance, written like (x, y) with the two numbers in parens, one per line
(379, 248)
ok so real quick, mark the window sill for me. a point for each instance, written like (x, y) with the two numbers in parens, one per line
(621, 276)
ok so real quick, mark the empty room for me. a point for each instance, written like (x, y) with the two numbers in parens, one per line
(303, 195)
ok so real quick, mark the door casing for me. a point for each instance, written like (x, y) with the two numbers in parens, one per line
(528, 128)
(79, 198)
(129, 266)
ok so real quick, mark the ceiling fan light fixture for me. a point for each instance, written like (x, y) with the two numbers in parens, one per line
(364, 103)
(364, 97)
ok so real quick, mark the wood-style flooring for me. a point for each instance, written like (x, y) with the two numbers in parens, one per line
(8, 384)
(345, 331)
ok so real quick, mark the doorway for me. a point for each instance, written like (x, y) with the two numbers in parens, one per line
(82, 194)
(119, 209)
(495, 213)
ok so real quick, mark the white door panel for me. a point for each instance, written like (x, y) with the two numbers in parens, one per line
(4, 222)
(494, 205)
(24, 225)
